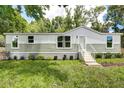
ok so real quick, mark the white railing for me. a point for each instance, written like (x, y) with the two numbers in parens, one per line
(81, 50)
(93, 50)
(92, 47)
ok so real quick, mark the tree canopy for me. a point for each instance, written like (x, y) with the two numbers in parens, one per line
(12, 21)
(115, 16)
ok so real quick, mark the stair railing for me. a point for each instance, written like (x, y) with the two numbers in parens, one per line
(93, 50)
(81, 50)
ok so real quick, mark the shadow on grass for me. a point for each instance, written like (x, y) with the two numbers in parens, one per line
(35, 67)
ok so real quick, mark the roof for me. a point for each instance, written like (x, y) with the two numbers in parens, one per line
(93, 31)
(64, 32)
(32, 33)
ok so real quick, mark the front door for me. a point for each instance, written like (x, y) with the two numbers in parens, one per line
(82, 41)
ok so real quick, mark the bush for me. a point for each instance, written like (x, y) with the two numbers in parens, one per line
(31, 57)
(108, 55)
(22, 58)
(113, 56)
(71, 58)
(118, 55)
(9, 58)
(40, 57)
(122, 55)
(98, 55)
(50, 58)
(77, 56)
(64, 57)
(15, 57)
(55, 58)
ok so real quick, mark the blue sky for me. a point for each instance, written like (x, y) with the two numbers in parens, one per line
(23, 14)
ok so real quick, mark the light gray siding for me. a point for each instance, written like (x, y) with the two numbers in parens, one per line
(47, 43)
(101, 48)
(40, 48)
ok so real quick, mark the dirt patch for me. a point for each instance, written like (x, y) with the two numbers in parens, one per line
(112, 64)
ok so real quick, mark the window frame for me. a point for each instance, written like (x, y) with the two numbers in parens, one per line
(17, 42)
(107, 42)
(32, 39)
(63, 42)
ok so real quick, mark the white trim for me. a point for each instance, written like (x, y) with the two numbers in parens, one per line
(64, 47)
(33, 39)
(92, 31)
(112, 43)
(33, 33)
(18, 43)
(84, 40)
(64, 32)
(43, 52)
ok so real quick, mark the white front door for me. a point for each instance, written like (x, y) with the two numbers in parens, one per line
(82, 41)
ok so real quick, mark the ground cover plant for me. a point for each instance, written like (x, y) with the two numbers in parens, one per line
(58, 73)
(111, 61)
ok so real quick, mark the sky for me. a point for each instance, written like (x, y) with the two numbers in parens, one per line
(60, 11)
(55, 10)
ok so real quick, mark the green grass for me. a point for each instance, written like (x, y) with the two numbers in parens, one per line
(46, 73)
(113, 60)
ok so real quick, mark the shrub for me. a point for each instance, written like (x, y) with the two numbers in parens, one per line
(108, 55)
(118, 55)
(50, 58)
(71, 58)
(55, 58)
(9, 58)
(31, 57)
(77, 56)
(64, 57)
(15, 57)
(122, 55)
(98, 55)
(113, 56)
(40, 57)
(22, 58)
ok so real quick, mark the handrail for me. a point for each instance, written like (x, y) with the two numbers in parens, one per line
(92, 47)
(81, 50)
(93, 50)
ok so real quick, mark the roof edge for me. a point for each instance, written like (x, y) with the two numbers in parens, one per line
(64, 32)
(92, 30)
(32, 33)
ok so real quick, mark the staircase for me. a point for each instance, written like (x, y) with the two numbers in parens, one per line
(89, 60)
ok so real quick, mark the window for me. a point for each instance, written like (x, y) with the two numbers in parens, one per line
(109, 41)
(15, 42)
(30, 39)
(64, 41)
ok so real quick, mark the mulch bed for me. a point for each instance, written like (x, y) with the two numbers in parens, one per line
(112, 64)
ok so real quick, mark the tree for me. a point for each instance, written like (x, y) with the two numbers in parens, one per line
(94, 14)
(42, 25)
(34, 11)
(68, 20)
(11, 20)
(80, 16)
(58, 24)
(115, 16)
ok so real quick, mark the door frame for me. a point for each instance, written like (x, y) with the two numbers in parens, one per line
(84, 41)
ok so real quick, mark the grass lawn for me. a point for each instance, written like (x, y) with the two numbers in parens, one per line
(46, 73)
(112, 60)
